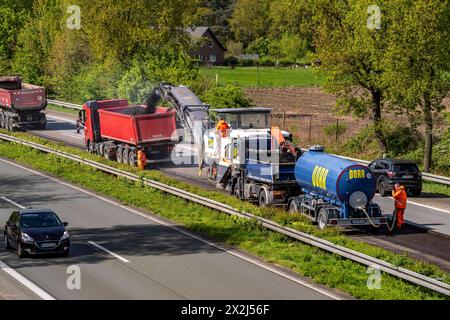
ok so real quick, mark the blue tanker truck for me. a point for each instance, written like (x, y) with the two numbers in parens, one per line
(335, 191)
(329, 190)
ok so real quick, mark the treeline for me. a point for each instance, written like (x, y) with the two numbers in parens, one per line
(392, 57)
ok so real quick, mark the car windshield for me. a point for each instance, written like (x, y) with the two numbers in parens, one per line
(406, 167)
(40, 220)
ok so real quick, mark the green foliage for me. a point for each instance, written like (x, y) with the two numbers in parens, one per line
(228, 96)
(400, 139)
(290, 47)
(163, 64)
(334, 129)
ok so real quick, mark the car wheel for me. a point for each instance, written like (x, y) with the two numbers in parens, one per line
(20, 251)
(416, 192)
(7, 245)
(293, 207)
(322, 219)
(65, 253)
(382, 189)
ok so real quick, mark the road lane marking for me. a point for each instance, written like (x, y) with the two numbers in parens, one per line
(62, 119)
(253, 261)
(25, 282)
(71, 135)
(13, 203)
(420, 205)
(108, 251)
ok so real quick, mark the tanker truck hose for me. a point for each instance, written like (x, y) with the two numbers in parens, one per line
(368, 217)
(390, 227)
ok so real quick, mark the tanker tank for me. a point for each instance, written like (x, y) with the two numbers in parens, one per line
(343, 189)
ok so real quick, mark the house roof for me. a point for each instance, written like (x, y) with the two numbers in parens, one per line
(198, 32)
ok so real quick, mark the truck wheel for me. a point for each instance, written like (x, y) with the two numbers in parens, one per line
(293, 207)
(2, 121)
(10, 124)
(322, 219)
(92, 147)
(125, 155)
(262, 198)
(106, 153)
(119, 154)
(132, 158)
(101, 149)
(382, 189)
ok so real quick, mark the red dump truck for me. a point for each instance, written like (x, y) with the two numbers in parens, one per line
(21, 104)
(116, 130)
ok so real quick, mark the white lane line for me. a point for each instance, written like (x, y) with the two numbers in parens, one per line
(108, 251)
(160, 221)
(71, 135)
(13, 203)
(65, 120)
(421, 205)
(25, 282)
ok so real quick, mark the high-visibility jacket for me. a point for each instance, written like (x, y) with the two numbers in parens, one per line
(222, 126)
(400, 197)
(142, 158)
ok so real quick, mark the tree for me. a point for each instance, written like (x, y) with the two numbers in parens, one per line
(350, 52)
(226, 97)
(417, 63)
(250, 20)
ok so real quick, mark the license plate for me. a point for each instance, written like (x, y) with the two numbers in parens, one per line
(48, 245)
(408, 177)
(359, 221)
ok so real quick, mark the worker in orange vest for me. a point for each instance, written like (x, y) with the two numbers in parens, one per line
(400, 197)
(222, 127)
(142, 159)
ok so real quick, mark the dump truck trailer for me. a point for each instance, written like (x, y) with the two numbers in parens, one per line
(116, 130)
(21, 104)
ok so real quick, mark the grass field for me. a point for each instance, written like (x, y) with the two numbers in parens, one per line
(268, 77)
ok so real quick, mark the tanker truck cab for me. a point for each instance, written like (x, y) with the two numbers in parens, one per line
(335, 191)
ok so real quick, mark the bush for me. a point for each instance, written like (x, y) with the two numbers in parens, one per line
(230, 62)
(330, 130)
(400, 139)
(226, 97)
(268, 62)
(246, 63)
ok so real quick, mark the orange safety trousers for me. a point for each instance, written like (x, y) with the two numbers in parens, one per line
(399, 212)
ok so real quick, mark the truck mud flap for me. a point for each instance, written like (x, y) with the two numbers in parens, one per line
(223, 174)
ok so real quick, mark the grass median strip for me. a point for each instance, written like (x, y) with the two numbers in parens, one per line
(323, 267)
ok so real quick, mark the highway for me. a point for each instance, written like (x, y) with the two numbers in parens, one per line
(430, 211)
(123, 253)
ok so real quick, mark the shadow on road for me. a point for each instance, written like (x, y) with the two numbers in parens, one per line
(130, 241)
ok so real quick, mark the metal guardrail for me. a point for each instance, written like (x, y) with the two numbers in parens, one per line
(355, 256)
(426, 176)
(65, 104)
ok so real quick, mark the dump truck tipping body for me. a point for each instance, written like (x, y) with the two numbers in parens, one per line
(21, 104)
(116, 130)
(130, 125)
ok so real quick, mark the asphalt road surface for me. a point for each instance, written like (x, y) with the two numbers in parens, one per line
(430, 211)
(121, 253)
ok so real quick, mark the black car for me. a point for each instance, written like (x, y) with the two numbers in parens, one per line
(36, 231)
(390, 171)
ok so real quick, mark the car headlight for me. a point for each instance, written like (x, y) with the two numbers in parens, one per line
(65, 235)
(26, 238)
